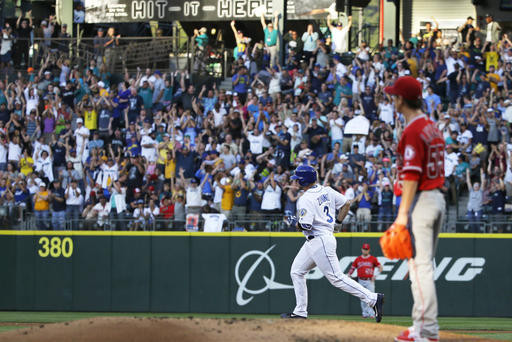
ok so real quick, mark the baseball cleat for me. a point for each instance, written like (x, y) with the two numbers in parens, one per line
(409, 336)
(378, 307)
(292, 315)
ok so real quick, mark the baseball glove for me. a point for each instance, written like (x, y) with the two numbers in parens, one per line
(396, 242)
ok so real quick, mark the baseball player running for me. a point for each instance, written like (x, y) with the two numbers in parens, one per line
(316, 210)
(365, 265)
(414, 234)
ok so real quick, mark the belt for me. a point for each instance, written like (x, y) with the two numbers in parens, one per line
(365, 278)
(311, 237)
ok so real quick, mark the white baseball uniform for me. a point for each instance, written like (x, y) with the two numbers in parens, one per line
(316, 209)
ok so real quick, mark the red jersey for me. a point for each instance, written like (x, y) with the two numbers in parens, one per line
(421, 150)
(364, 266)
(167, 211)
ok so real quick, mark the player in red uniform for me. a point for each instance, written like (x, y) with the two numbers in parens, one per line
(420, 164)
(365, 265)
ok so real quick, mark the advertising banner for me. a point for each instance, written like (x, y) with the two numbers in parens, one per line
(232, 273)
(114, 11)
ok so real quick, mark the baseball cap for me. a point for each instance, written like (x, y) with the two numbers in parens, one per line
(366, 246)
(137, 190)
(407, 87)
(193, 181)
(79, 120)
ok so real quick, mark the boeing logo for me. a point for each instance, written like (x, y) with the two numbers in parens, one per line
(270, 284)
(462, 269)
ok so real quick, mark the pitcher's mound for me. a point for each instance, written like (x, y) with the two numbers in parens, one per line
(128, 329)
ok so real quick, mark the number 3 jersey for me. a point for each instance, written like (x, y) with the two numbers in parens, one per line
(421, 150)
(316, 209)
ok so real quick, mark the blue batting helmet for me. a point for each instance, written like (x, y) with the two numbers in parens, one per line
(305, 174)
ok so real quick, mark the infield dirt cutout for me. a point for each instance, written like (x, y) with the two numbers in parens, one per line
(129, 329)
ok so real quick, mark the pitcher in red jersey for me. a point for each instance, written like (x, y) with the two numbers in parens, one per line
(420, 164)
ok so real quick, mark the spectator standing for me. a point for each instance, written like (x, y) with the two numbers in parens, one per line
(241, 191)
(99, 45)
(467, 31)
(193, 203)
(41, 207)
(339, 35)
(493, 30)
(111, 42)
(101, 210)
(82, 134)
(118, 207)
(179, 212)
(6, 45)
(271, 202)
(309, 39)
(241, 41)
(64, 42)
(201, 38)
(255, 201)
(227, 201)
(22, 199)
(271, 38)
(385, 200)
(74, 201)
(58, 199)
(241, 83)
(23, 32)
(364, 211)
(475, 202)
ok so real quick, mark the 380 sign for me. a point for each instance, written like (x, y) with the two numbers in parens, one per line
(55, 247)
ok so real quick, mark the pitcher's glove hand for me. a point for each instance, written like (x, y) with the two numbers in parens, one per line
(396, 242)
(291, 221)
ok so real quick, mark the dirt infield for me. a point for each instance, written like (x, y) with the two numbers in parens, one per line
(128, 329)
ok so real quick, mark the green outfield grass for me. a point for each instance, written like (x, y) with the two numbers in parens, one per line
(485, 327)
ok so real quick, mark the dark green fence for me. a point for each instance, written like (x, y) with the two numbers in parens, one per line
(231, 273)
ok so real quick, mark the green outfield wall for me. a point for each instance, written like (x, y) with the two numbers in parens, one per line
(232, 273)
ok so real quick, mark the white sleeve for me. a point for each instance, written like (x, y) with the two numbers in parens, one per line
(305, 213)
(339, 199)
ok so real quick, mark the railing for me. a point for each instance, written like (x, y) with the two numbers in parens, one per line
(11, 219)
(169, 52)
(132, 52)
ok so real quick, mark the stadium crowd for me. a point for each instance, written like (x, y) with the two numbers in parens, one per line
(79, 151)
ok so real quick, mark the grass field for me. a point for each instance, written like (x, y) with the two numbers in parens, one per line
(485, 327)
